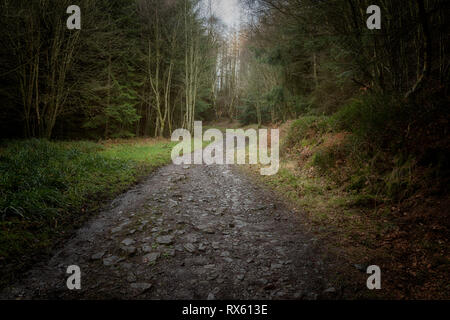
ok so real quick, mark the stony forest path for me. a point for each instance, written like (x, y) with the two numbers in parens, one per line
(187, 232)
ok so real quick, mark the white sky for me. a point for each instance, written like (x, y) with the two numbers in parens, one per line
(228, 11)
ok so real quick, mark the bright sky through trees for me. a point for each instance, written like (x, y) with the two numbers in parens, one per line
(229, 11)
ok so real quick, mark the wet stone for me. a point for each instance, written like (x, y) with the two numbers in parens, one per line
(360, 267)
(98, 255)
(128, 242)
(151, 257)
(173, 203)
(206, 229)
(274, 266)
(170, 252)
(189, 247)
(219, 212)
(147, 248)
(116, 229)
(191, 237)
(212, 276)
(240, 223)
(141, 287)
(129, 249)
(215, 245)
(166, 240)
(263, 281)
(111, 260)
(200, 261)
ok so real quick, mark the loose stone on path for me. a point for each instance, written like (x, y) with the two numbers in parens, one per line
(151, 257)
(166, 240)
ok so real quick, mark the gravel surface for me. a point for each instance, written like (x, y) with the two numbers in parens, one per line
(187, 232)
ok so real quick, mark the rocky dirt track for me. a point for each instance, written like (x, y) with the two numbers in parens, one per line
(187, 232)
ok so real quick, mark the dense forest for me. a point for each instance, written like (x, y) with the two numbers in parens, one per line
(136, 68)
(318, 62)
(364, 111)
(142, 68)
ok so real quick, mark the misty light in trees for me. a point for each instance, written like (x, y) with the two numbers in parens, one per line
(229, 11)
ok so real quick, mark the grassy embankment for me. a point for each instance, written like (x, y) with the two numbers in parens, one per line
(372, 200)
(47, 189)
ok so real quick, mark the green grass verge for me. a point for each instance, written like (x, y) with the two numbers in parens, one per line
(48, 188)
